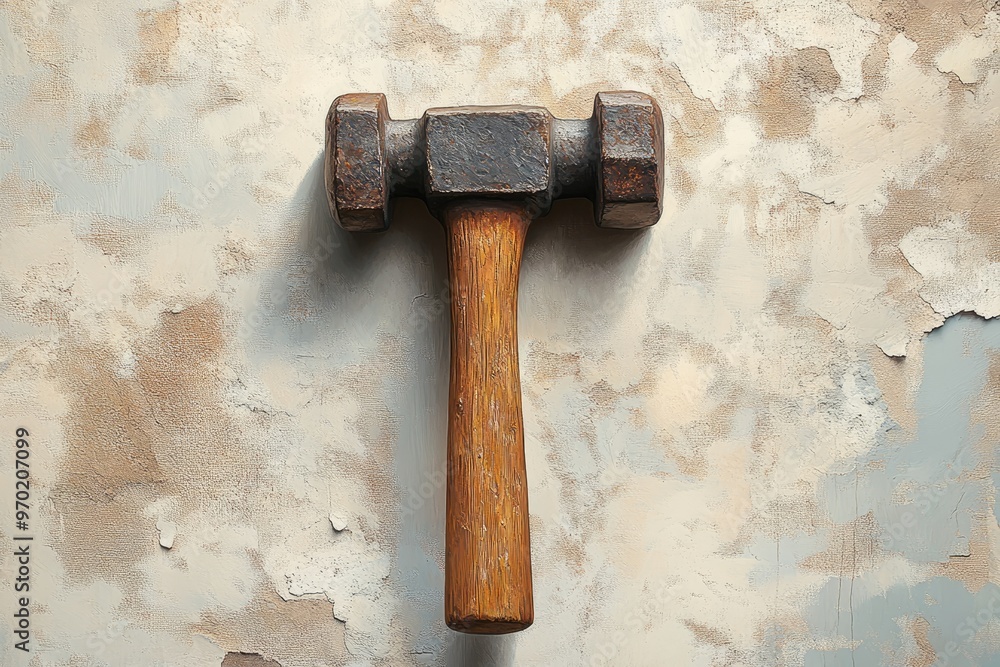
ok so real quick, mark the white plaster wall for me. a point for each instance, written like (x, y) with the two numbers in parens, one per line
(748, 441)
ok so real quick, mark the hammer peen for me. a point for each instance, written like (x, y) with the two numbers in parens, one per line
(486, 173)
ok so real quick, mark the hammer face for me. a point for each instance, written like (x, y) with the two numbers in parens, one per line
(615, 158)
(357, 183)
(630, 169)
(491, 152)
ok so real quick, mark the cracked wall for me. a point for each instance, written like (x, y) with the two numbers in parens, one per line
(761, 433)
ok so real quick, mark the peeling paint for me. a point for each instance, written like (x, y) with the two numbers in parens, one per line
(763, 432)
(168, 532)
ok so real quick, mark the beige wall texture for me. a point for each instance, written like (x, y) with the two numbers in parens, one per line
(762, 432)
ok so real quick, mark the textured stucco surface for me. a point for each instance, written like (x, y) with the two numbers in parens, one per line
(761, 433)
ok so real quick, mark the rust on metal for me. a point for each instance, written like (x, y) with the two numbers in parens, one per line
(615, 158)
(486, 173)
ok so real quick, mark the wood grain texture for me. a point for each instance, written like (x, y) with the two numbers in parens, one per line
(488, 552)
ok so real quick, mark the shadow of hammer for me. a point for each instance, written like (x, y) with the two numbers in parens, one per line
(486, 173)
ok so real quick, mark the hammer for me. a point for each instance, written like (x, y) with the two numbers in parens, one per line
(486, 172)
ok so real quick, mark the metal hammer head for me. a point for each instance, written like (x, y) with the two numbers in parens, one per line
(614, 158)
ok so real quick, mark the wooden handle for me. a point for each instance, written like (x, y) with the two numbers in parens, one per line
(487, 585)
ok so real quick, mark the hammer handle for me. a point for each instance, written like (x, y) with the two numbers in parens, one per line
(488, 555)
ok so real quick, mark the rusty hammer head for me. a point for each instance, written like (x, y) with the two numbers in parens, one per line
(520, 153)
